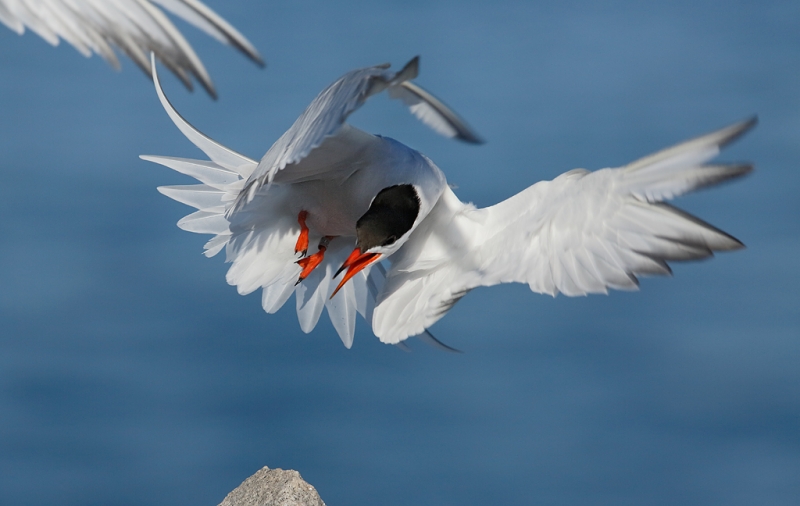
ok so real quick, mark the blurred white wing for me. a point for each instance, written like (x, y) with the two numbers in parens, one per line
(324, 117)
(136, 27)
(583, 232)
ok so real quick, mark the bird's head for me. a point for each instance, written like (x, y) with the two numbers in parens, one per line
(383, 229)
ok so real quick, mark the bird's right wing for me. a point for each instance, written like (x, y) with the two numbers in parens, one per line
(322, 125)
(584, 232)
(136, 27)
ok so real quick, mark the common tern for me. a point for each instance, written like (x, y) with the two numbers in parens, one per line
(363, 199)
(136, 27)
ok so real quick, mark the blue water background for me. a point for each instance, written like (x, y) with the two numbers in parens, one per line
(132, 374)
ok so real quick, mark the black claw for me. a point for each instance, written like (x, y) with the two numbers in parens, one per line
(339, 271)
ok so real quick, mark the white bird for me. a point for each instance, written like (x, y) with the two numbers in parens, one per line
(136, 27)
(583, 232)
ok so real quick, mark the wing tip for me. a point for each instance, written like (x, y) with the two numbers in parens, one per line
(739, 129)
(430, 340)
(258, 60)
(463, 131)
(470, 137)
(409, 71)
(723, 240)
(403, 346)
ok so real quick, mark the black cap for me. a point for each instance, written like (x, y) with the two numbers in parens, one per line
(390, 215)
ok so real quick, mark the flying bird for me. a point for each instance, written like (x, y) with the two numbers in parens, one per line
(135, 27)
(360, 223)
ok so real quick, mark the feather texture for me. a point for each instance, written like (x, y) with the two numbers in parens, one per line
(135, 27)
(584, 232)
(259, 240)
(325, 116)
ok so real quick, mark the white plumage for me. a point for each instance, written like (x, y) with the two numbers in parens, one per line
(581, 233)
(320, 165)
(136, 27)
(326, 115)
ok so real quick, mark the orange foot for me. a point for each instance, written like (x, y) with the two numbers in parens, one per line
(310, 263)
(302, 242)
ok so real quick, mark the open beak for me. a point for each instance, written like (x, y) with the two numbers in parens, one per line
(354, 264)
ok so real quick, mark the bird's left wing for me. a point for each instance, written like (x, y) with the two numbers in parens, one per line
(136, 27)
(323, 119)
(584, 232)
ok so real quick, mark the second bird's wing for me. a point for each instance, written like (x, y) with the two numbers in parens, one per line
(136, 27)
(583, 232)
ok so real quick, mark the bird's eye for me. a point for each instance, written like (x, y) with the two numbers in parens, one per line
(389, 240)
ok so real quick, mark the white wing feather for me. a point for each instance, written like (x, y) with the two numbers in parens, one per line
(259, 240)
(324, 117)
(433, 112)
(583, 232)
(224, 157)
(201, 16)
(136, 27)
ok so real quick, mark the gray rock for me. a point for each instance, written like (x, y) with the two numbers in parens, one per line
(273, 487)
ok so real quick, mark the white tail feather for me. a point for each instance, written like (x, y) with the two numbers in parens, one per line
(226, 158)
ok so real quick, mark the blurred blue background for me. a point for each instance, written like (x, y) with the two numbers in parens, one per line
(131, 373)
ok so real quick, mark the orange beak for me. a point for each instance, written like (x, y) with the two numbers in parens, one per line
(354, 264)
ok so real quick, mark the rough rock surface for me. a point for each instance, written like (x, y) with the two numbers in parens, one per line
(273, 487)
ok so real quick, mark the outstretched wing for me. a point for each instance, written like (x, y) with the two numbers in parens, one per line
(136, 27)
(584, 232)
(322, 121)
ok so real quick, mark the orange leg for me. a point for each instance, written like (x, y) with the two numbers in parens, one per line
(310, 263)
(302, 242)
